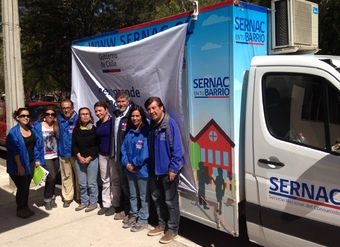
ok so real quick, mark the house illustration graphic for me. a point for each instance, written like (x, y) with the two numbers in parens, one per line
(214, 149)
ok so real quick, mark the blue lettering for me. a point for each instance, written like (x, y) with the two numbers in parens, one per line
(211, 82)
(273, 181)
(284, 185)
(294, 187)
(331, 196)
(145, 33)
(195, 83)
(321, 194)
(249, 25)
(136, 36)
(306, 190)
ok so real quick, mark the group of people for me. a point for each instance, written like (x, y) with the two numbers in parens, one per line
(133, 156)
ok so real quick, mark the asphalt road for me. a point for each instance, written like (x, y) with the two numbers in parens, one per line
(200, 234)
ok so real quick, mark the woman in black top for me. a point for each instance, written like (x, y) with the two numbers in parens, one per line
(22, 145)
(86, 148)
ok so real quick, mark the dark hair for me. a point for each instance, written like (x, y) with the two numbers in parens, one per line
(18, 111)
(67, 101)
(142, 113)
(47, 108)
(150, 100)
(101, 104)
(55, 124)
(78, 122)
(122, 94)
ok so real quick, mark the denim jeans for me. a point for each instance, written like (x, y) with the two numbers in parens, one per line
(165, 195)
(139, 191)
(87, 175)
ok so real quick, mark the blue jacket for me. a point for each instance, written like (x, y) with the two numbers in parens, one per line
(135, 151)
(168, 154)
(65, 135)
(38, 129)
(15, 145)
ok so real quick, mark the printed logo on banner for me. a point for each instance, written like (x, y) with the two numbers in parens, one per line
(250, 31)
(212, 87)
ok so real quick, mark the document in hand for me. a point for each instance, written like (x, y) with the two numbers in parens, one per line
(40, 174)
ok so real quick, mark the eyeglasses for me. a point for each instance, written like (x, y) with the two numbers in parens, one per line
(50, 114)
(66, 108)
(24, 116)
(85, 114)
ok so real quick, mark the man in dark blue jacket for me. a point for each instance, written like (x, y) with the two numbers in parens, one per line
(119, 130)
(166, 160)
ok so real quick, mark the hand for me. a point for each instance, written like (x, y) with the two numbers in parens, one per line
(81, 159)
(21, 170)
(88, 159)
(130, 168)
(172, 176)
(37, 164)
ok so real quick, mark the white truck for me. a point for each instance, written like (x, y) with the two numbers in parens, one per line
(263, 129)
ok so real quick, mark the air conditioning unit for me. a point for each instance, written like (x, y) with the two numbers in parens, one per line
(295, 25)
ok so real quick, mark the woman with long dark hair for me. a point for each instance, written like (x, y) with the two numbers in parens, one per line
(86, 148)
(135, 157)
(47, 128)
(22, 143)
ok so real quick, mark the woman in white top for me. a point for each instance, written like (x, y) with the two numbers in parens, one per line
(47, 128)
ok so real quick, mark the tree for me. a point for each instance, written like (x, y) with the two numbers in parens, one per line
(49, 27)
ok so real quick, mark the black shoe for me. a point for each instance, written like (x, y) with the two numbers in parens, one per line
(31, 212)
(23, 213)
(67, 204)
(54, 204)
(102, 211)
(110, 211)
(48, 205)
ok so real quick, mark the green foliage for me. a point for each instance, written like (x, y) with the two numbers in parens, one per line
(48, 28)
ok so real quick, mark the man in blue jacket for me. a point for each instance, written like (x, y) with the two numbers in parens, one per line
(69, 179)
(166, 160)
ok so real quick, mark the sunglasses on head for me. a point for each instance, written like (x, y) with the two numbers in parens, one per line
(24, 116)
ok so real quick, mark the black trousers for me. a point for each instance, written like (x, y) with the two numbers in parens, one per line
(23, 188)
(51, 166)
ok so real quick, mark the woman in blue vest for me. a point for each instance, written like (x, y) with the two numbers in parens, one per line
(23, 149)
(135, 156)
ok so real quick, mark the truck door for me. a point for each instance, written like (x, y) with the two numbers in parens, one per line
(296, 131)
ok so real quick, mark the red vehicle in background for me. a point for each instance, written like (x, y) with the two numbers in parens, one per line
(35, 108)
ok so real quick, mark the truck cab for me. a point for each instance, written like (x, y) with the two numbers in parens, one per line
(292, 136)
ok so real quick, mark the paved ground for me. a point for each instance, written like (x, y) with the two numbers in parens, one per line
(64, 227)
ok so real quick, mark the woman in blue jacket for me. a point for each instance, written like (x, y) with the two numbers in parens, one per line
(135, 157)
(22, 143)
(47, 129)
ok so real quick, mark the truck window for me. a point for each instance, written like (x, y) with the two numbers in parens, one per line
(303, 109)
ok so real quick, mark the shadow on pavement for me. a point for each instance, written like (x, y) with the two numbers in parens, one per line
(9, 220)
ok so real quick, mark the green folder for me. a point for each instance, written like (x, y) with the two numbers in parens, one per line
(39, 175)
